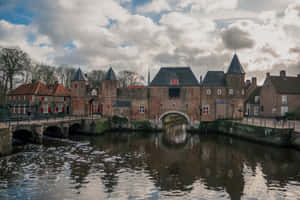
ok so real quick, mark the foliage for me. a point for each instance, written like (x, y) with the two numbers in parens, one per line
(119, 122)
(141, 125)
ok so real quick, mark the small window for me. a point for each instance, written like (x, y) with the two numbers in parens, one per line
(219, 92)
(187, 106)
(24, 108)
(205, 110)
(142, 109)
(230, 91)
(75, 85)
(208, 92)
(24, 98)
(256, 99)
(243, 92)
(46, 99)
(284, 99)
(174, 92)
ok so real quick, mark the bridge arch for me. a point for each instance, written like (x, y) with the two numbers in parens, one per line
(54, 131)
(22, 136)
(162, 116)
(74, 128)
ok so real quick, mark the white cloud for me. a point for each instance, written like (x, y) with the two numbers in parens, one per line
(155, 6)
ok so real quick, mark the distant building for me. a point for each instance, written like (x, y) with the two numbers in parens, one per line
(252, 104)
(39, 99)
(279, 95)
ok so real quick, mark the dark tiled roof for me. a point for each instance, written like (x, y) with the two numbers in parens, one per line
(286, 85)
(79, 76)
(251, 98)
(110, 75)
(184, 75)
(235, 66)
(214, 78)
(59, 90)
(122, 104)
(37, 88)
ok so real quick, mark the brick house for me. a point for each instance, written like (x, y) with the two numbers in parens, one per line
(279, 95)
(223, 94)
(39, 99)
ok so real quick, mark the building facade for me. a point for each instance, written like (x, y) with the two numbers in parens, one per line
(279, 95)
(173, 90)
(37, 99)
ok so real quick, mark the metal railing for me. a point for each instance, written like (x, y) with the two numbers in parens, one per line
(270, 122)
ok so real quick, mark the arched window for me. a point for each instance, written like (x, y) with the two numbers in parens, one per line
(219, 92)
(208, 92)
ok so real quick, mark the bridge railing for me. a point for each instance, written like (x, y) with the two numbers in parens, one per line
(42, 119)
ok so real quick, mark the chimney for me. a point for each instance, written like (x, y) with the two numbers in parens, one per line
(248, 82)
(254, 81)
(200, 79)
(268, 74)
(282, 73)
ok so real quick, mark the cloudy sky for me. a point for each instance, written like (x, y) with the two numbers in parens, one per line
(142, 34)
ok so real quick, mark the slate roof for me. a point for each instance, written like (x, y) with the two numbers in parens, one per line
(59, 90)
(235, 66)
(251, 98)
(286, 85)
(37, 88)
(110, 75)
(214, 78)
(184, 75)
(122, 104)
(79, 76)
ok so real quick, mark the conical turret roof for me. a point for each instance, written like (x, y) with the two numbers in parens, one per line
(79, 76)
(110, 75)
(235, 66)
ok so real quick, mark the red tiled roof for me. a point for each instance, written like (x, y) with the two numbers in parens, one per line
(286, 85)
(59, 89)
(37, 88)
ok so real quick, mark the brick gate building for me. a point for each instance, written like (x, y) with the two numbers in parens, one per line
(172, 90)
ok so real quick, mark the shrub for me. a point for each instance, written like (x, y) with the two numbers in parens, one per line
(142, 125)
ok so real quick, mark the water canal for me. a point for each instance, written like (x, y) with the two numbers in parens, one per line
(149, 166)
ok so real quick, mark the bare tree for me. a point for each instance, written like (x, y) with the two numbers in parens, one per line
(95, 77)
(46, 74)
(12, 62)
(65, 74)
(127, 78)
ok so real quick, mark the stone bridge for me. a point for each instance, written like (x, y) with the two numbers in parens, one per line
(34, 131)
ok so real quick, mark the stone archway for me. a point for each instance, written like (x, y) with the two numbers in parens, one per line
(162, 116)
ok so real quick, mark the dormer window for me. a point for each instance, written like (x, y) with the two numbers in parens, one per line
(174, 82)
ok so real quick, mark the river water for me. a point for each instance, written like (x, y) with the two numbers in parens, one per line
(145, 166)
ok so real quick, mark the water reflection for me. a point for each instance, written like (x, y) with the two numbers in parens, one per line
(134, 166)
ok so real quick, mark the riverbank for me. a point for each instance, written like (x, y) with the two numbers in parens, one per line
(281, 137)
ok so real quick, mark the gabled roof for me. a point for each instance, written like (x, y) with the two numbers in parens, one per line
(286, 85)
(235, 66)
(184, 75)
(251, 98)
(37, 88)
(79, 76)
(59, 90)
(214, 78)
(119, 104)
(110, 75)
